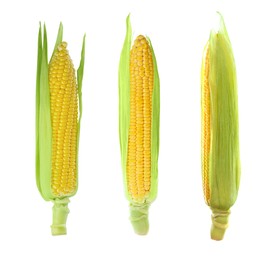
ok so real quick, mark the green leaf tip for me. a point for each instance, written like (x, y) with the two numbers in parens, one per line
(128, 20)
(80, 71)
(59, 38)
(221, 20)
(220, 28)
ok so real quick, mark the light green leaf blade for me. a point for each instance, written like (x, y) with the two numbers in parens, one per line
(45, 128)
(39, 60)
(224, 157)
(124, 99)
(80, 74)
(155, 129)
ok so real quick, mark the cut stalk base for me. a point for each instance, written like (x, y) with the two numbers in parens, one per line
(219, 223)
(139, 218)
(60, 214)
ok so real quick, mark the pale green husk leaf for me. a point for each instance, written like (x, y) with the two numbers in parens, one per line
(124, 100)
(155, 129)
(80, 74)
(43, 121)
(224, 162)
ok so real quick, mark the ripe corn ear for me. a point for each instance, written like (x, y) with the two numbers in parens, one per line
(57, 126)
(139, 109)
(220, 133)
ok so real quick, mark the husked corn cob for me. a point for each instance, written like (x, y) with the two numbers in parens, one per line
(139, 140)
(139, 126)
(220, 133)
(64, 117)
(57, 127)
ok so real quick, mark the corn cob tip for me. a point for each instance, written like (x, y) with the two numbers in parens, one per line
(219, 223)
(139, 218)
(60, 214)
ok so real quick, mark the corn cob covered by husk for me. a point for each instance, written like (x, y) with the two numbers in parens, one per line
(139, 109)
(58, 117)
(220, 133)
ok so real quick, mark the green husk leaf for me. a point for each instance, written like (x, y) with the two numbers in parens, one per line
(45, 128)
(80, 74)
(224, 173)
(155, 129)
(58, 38)
(124, 100)
(39, 60)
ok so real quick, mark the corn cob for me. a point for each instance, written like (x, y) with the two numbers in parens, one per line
(57, 126)
(139, 107)
(220, 134)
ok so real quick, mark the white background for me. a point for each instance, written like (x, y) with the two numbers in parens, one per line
(98, 224)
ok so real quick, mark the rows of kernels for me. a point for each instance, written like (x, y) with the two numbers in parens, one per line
(139, 145)
(64, 114)
(206, 124)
